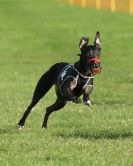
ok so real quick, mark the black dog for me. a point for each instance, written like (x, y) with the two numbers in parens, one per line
(71, 81)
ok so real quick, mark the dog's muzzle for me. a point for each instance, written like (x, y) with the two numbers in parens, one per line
(95, 64)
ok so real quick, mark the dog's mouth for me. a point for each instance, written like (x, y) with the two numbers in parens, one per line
(96, 70)
(95, 65)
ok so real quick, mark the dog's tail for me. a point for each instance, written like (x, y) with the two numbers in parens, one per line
(44, 84)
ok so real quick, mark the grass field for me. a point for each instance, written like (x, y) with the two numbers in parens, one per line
(33, 36)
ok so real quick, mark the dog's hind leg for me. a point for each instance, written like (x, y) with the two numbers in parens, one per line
(26, 113)
(38, 94)
(42, 87)
(60, 103)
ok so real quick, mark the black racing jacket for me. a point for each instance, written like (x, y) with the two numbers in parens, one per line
(70, 71)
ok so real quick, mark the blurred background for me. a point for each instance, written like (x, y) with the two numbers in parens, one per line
(35, 34)
(113, 5)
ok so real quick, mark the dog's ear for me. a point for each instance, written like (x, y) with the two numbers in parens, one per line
(97, 41)
(83, 42)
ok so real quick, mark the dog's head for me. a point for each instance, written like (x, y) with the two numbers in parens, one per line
(90, 54)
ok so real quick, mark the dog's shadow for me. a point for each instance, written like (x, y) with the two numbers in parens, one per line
(89, 135)
(8, 130)
(96, 135)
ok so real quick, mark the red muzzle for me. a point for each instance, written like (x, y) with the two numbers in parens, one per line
(95, 65)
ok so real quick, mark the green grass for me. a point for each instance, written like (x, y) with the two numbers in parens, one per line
(33, 36)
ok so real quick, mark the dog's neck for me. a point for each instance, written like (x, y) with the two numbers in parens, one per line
(81, 68)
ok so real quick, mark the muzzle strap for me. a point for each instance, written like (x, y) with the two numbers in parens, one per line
(95, 60)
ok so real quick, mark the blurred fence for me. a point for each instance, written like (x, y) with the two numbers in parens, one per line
(113, 5)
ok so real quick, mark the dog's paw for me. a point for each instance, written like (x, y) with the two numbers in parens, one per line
(76, 100)
(20, 127)
(88, 102)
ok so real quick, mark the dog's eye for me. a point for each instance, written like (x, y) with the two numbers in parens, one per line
(90, 54)
(97, 52)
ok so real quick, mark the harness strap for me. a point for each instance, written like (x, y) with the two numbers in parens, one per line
(80, 73)
(89, 82)
(64, 75)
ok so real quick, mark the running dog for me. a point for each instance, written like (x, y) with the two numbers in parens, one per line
(70, 80)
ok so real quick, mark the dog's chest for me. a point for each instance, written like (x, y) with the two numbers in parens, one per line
(77, 80)
(66, 73)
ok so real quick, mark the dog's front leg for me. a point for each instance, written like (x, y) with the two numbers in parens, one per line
(67, 90)
(71, 96)
(86, 94)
